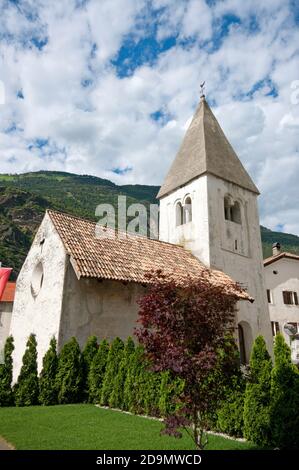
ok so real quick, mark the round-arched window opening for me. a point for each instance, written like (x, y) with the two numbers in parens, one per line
(187, 210)
(37, 279)
(178, 214)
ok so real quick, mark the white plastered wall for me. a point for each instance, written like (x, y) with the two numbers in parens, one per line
(225, 245)
(39, 314)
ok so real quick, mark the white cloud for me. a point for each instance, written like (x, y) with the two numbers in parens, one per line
(106, 124)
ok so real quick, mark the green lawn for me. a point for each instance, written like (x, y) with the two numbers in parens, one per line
(88, 427)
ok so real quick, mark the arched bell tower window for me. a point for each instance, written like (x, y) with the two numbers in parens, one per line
(187, 210)
(178, 214)
(236, 213)
(232, 210)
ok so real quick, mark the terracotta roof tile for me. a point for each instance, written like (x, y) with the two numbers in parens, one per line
(284, 254)
(127, 257)
(9, 292)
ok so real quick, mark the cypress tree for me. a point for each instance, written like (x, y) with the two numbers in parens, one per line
(47, 379)
(97, 372)
(151, 393)
(6, 370)
(27, 387)
(170, 390)
(117, 396)
(284, 398)
(257, 395)
(88, 354)
(69, 375)
(135, 365)
(114, 358)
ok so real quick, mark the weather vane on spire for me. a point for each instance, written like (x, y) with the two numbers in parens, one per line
(202, 89)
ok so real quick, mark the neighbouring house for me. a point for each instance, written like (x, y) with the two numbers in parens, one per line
(282, 284)
(74, 284)
(6, 307)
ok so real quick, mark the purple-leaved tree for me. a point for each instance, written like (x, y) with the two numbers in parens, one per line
(182, 328)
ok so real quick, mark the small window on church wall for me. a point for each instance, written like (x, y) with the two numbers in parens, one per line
(178, 214)
(187, 210)
(37, 279)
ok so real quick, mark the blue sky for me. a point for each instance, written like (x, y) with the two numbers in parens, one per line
(109, 87)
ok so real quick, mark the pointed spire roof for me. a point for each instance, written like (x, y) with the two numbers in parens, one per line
(205, 149)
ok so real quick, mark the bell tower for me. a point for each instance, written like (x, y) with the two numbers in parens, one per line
(208, 204)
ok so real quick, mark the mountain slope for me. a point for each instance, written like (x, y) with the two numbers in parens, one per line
(24, 199)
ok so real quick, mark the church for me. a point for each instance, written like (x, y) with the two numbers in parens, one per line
(74, 284)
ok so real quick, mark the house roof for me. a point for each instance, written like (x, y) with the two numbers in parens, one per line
(205, 149)
(9, 292)
(127, 257)
(284, 254)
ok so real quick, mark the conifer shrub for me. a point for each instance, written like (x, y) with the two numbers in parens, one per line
(171, 389)
(113, 362)
(258, 395)
(47, 380)
(6, 370)
(116, 399)
(152, 392)
(142, 382)
(230, 414)
(134, 367)
(27, 386)
(69, 375)
(89, 352)
(97, 372)
(284, 419)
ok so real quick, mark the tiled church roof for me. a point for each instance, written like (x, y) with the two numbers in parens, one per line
(129, 257)
(205, 149)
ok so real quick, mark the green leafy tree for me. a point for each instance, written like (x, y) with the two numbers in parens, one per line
(27, 387)
(88, 354)
(114, 359)
(47, 379)
(258, 395)
(97, 372)
(69, 375)
(284, 398)
(116, 399)
(6, 370)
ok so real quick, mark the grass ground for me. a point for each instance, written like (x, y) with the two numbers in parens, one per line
(86, 427)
